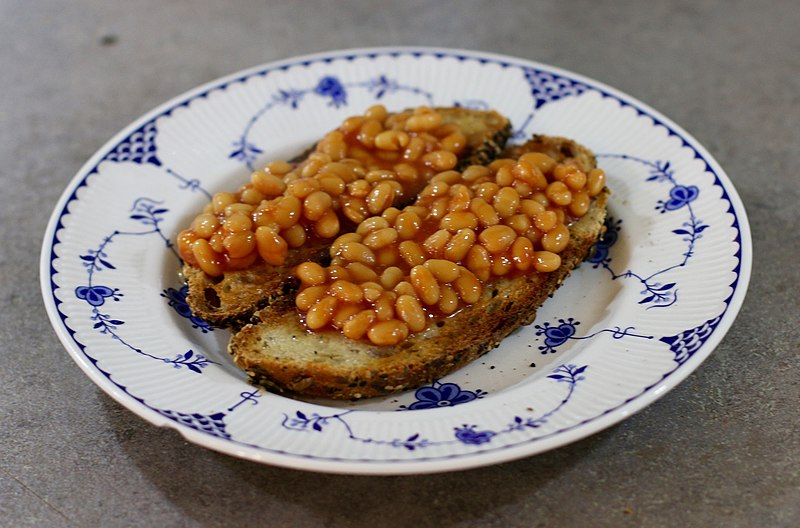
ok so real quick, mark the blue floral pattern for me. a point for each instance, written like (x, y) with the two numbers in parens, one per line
(442, 395)
(557, 335)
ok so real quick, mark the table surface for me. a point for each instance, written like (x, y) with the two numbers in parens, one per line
(722, 449)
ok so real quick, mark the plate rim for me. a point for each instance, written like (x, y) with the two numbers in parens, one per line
(461, 461)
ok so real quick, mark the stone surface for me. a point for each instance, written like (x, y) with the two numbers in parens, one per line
(722, 449)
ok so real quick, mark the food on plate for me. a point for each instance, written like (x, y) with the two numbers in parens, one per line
(414, 294)
(240, 252)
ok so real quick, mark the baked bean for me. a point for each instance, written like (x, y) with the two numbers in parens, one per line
(497, 238)
(519, 223)
(436, 242)
(221, 200)
(346, 291)
(487, 190)
(580, 204)
(372, 291)
(387, 256)
(504, 177)
(386, 333)
(239, 245)
(468, 286)
(595, 181)
(380, 238)
(475, 172)
(341, 240)
(209, 260)
(343, 314)
(295, 236)
(406, 172)
(522, 253)
(391, 277)
(530, 207)
(204, 225)
(355, 209)
(485, 213)
(443, 270)
(423, 122)
(556, 239)
(359, 188)
(377, 175)
(328, 225)
(337, 272)
(540, 160)
(369, 131)
(286, 211)
(459, 245)
(392, 140)
(271, 246)
(450, 177)
(381, 197)
(541, 198)
(404, 288)
(361, 273)
(460, 198)
(576, 180)
(438, 208)
(356, 327)
(308, 297)
(333, 144)
(407, 224)
(321, 313)
(371, 224)
(506, 202)
(415, 149)
(217, 242)
(411, 253)
(440, 160)
(278, 168)
(310, 168)
(448, 300)
(310, 273)
(377, 112)
(454, 142)
(459, 220)
(410, 311)
(501, 265)
(425, 284)
(252, 196)
(546, 261)
(479, 262)
(391, 214)
(358, 252)
(384, 306)
(316, 204)
(558, 193)
(545, 220)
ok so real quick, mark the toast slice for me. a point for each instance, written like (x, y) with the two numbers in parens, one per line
(280, 354)
(230, 300)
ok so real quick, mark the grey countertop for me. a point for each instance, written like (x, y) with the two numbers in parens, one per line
(722, 449)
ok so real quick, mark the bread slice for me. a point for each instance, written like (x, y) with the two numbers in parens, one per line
(279, 353)
(230, 300)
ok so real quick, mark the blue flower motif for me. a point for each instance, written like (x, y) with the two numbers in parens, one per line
(331, 87)
(468, 435)
(679, 196)
(602, 249)
(555, 336)
(177, 299)
(96, 295)
(442, 395)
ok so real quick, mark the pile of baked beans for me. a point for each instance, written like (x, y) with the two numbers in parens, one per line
(366, 165)
(402, 269)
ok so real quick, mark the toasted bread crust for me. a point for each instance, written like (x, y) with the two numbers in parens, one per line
(230, 300)
(278, 353)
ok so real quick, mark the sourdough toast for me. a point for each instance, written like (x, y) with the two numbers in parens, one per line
(278, 352)
(230, 300)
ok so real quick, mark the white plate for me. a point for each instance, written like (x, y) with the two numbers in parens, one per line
(657, 297)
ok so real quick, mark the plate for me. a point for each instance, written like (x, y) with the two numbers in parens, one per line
(656, 297)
